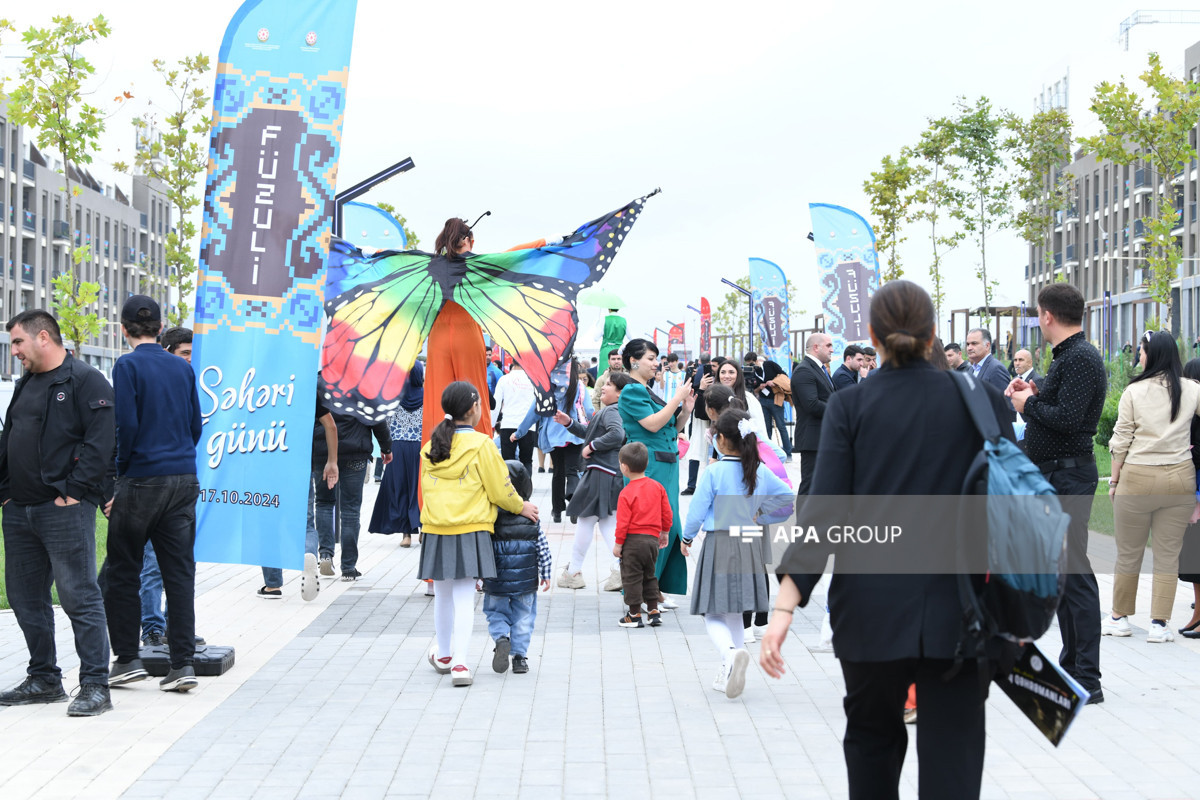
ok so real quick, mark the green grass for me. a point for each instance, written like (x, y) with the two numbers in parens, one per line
(101, 552)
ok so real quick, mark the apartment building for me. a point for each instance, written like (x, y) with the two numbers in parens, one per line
(127, 235)
(1099, 243)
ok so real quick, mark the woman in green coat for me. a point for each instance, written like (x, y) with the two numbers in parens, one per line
(657, 424)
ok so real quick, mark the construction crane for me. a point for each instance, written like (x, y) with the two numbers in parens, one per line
(1154, 17)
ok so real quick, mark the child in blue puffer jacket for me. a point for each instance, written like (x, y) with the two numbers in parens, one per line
(522, 564)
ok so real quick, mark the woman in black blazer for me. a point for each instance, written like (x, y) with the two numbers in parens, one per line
(904, 432)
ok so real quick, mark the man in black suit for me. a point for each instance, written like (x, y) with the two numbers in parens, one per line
(848, 374)
(954, 357)
(984, 365)
(1023, 367)
(811, 387)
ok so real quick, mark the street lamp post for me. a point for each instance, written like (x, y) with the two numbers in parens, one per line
(750, 319)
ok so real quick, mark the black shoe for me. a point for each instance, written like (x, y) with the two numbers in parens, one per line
(179, 680)
(556, 516)
(200, 642)
(92, 701)
(130, 672)
(267, 593)
(631, 621)
(520, 665)
(574, 520)
(1097, 697)
(655, 618)
(351, 575)
(34, 690)
(154, 639)
(688, 490)
(541, 469)
(500, 657)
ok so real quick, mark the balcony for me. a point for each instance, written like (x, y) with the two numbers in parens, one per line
(29, 222)
(1139, 230)
(145, 221)
(62, 231)
(28, 170)
(1071, 260)
(1143, 181)
(1058, 261)
(27, 274)
(1072, 214)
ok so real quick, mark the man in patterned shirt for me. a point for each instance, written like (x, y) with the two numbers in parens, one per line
(1061, 413)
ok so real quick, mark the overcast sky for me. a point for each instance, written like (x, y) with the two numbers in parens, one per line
(552, 113)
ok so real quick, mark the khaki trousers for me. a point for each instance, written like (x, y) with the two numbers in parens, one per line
(1154, 500)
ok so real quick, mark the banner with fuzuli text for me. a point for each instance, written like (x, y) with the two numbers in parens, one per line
(848, 270)
(769, 296)
(278, 109)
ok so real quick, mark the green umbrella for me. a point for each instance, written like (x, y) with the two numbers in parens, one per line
(600, 298)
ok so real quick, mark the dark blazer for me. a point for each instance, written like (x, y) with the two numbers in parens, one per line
(963, 367)
(844, 378)
(994, 373)
(811, 390)
(904, 432)
(1035, 377)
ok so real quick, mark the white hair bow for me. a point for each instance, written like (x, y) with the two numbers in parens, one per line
(745, 427)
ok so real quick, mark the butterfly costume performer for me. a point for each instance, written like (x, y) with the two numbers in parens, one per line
(382, 308)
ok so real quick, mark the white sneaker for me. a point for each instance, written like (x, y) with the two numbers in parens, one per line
(568, 580)
(737, 674)
(1159, 633)
(748, 636)
(442, 665)
(327, 567)
(722, 678)
(1116, 627)
(667, 604)
(613, 584)
(461, 676)
(310, 584)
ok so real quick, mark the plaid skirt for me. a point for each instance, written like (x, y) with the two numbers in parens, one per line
(731, 576)
(453, 557)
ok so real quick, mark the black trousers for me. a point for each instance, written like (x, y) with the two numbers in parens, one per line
(808, 461)
(1079, 611)
(950, 728)
(524, 446)
(566, 461)
(161, 509)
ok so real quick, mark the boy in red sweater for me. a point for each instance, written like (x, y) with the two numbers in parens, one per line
(643, 514)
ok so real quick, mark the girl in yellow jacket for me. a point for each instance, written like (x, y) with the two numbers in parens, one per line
(463, 480)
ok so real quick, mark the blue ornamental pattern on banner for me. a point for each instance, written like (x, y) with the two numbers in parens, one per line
(849, 273)
(278, 109)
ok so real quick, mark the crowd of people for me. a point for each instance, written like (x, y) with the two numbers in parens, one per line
(73, 444)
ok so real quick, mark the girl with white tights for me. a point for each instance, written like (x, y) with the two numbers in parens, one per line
(463, 481)
(595, 500)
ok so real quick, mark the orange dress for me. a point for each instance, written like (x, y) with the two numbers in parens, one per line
(454, 353)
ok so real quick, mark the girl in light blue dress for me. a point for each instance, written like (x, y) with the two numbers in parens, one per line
(736, 500)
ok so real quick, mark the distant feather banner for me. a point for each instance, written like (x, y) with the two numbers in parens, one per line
(848, 268)
(705, 326)
(278, 108)
(769, 296)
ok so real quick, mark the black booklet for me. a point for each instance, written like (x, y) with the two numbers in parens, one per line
(1050, 697)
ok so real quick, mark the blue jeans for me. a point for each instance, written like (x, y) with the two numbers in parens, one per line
(161, 509)
(512, 617)
(273, 576)
(346, 498)
(151, 594)
(774, 414)
(45, 544)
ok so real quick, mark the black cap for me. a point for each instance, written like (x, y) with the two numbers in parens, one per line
(140, 308)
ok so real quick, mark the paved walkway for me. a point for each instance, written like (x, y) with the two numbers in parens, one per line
(333, 698)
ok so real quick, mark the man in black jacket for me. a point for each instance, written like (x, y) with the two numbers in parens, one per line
(354, 448)
(848, 374)
(811, 387)
(56, 455)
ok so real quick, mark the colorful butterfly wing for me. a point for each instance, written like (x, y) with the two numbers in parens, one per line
(536, 326)
(525, 299)
(376, 331)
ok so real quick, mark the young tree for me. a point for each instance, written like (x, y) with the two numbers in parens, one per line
(177, 155)
(891, 193)
(986, 205)
(1041, 150)
(936, 191)
(1158, 136)
(48, 98)
(414, 241)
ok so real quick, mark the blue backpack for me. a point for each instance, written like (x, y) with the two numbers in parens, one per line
(1026, 536)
